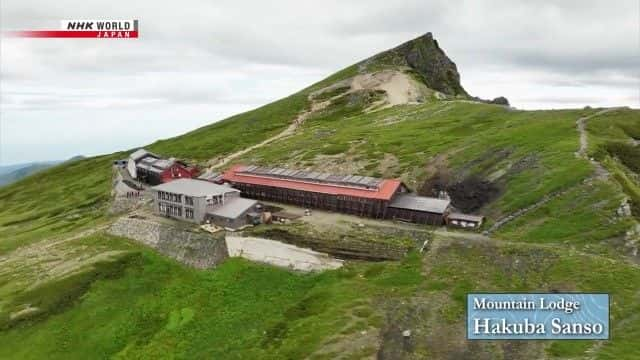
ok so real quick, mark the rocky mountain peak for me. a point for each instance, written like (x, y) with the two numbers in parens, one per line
(424, 56)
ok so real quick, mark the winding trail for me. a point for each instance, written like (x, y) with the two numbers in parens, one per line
(520, 212)
(581, 123)
(600, 173)
(290, 130)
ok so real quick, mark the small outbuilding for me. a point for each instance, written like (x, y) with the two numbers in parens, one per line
(418, 209)
(235, 213)
(465, 220)
(136, 157)
(152, 169)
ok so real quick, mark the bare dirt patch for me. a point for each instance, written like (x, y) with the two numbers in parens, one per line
(399, 87)
(388, 166)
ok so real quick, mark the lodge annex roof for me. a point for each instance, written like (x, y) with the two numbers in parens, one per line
(195, 188)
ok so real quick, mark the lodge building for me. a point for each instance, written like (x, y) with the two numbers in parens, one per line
(200, 201)
(152, 169)
(350, 194)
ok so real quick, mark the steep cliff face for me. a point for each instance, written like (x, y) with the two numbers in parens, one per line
(424, 56)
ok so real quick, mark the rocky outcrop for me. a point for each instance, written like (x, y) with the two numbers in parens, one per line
(500, 100)
(424, 56)
(199, 250)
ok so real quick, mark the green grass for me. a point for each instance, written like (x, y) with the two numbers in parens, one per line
(461, 267)
(242, 130)
(472, 133)
(143, 305)
(618, 125)
(152, 307)
(54, 202)
(582, 217)
(138, 304)
(627, 154)
(610, 138)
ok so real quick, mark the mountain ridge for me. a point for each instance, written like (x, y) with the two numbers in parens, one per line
(424, 56)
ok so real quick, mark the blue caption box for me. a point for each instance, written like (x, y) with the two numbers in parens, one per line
(523, 316)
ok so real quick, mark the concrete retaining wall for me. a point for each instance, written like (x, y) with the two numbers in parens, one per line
(200, 250)
(205, 250)
(279, 254)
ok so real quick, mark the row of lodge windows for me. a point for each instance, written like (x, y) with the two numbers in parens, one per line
(170, 210)
(162, 195)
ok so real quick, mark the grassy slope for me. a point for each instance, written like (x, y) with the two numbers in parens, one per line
(585, 215)
(139, 304)
(242, 130)
(462, 267)
(54, 202)
(471, 133)
(146, 306)
(149, 307)
(15, 175)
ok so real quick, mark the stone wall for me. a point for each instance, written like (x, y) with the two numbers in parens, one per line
(200, 250)
(205, 250)
(120, 202)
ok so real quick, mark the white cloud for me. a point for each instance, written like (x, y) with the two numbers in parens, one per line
(199, 61)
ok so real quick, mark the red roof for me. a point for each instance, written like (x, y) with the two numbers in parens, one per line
(385, 191)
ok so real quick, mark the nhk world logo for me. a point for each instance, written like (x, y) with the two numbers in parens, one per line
(103, 29)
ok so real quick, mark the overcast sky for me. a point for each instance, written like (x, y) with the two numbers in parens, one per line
(200, 61)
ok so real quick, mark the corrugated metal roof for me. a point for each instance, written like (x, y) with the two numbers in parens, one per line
(155, 165)
(350, 180)
(466, 217)
(384, 191)
(140, 153)
(233, 207)
(193, 187)
(420, 203)
(209, 175)
(163, 163)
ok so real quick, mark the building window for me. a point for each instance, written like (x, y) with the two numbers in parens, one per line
(188, 213)
(188, 200)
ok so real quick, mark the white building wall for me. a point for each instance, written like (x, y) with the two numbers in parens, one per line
(131, 168)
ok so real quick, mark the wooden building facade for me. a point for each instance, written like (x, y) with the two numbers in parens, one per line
(369, 207)
(418, 209)
(151, 169)
(355, 195)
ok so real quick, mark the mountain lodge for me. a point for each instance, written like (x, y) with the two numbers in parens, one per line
(202, 201)
(350, 194)
(150, 168)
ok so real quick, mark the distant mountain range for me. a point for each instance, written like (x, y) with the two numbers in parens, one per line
(15, 172)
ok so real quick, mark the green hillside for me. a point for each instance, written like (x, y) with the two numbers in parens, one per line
(68, 290)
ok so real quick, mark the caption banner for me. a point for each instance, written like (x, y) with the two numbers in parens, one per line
(521, 316)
